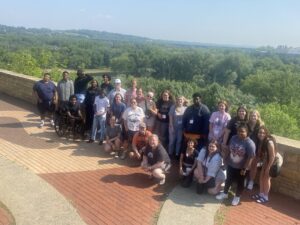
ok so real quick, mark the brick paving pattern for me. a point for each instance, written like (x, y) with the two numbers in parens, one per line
(104, 190)
(280, 210)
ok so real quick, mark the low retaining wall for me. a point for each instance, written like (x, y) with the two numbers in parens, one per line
(17, 85)
(288, 183)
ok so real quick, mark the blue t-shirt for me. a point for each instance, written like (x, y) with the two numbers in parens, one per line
(117, 110)
(45, 90)
(240, 151)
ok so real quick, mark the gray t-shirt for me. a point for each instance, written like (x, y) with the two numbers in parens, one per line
(112, 132)
(177, 115)
(240, 151)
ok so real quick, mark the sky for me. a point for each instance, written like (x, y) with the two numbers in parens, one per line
(232, 22)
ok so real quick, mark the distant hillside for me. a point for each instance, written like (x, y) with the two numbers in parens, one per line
(105, 36)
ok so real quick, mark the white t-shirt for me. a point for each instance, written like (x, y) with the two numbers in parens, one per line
(101, 105)
(133, 118)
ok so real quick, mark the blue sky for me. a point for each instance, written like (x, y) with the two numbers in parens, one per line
(238, 22)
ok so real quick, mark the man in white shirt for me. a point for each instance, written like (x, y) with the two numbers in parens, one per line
(101, 105)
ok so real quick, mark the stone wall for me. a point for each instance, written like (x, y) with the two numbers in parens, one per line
(17, 85)
(288, 183)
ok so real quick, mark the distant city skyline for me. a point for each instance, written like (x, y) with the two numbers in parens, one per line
(250, 23)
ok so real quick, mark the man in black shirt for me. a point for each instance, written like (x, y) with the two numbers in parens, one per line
(74, 114)
(80, 85)
(156, 159)
(195, 122)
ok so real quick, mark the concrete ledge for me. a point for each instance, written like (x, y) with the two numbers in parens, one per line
(185, 206)
(31, 200)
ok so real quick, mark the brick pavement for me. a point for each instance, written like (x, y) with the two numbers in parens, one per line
(103, 190)
(280, 210)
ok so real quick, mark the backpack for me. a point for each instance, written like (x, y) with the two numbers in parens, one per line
(276, 166)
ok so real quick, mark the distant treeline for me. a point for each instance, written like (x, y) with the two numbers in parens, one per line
(261, 79)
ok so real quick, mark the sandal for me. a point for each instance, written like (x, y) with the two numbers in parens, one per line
(261, 200)
(255, 196)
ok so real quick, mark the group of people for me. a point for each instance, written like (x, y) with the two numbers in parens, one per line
(129, 123)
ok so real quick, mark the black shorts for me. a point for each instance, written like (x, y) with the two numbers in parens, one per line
(46, 106)
(211, 183)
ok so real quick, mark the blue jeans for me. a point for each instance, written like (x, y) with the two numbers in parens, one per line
(98, 121)
(175, 139)
(80, 98)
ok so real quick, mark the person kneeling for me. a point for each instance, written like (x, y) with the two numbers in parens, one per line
(188, 163)
(208, 173)
(139, 142)
(156, 159)
(113, 137)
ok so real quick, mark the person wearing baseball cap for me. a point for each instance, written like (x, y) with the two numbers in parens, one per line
(139, 141)
(117, 89)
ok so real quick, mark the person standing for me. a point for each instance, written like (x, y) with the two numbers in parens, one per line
(80, 85)
(133, 116)
(117, 89)
(65, 89)
(175, 125)
(131, 92)
(195, 122)
(266, 144)
(46, 96)
(241, 153)
(150, 111)
(106, 85)
(89, 100)
(163, 104)
(218, 122)
(101, 105)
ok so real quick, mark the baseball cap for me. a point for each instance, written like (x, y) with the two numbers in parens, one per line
(117, 81)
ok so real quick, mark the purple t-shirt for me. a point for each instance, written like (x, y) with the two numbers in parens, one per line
(219, 121)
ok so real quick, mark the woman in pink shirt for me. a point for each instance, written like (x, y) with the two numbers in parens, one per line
(218, 122)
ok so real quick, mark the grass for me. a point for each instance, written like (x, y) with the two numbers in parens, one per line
(220, 216)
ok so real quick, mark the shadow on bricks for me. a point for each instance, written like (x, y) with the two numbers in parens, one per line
(13, 131)
(138, 180)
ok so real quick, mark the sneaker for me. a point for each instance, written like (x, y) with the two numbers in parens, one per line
(112, 153)
(116, 155)
(222, 196)
(100, 142)
(162, 181)
(123, 155)
(52, 123)
(235, 200)
(90, 141)
(42, 123)
(250, 185)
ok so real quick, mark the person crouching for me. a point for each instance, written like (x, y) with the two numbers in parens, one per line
(156, 159)
(139, 142)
